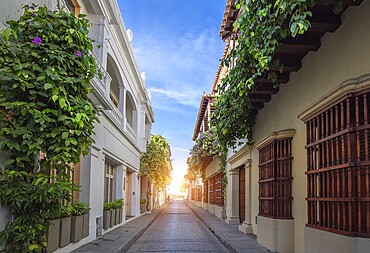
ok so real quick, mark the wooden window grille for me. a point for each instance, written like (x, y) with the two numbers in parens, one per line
(211, 191)
(338, 166)
(275, 179)
(193, 194)
(218, 193)
(205, 192)
(199, 193)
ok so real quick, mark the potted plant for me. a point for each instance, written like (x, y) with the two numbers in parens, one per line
(119, 203)
(65, 226)
(78, 209)
(53, 232)
(113, 214)
(86, 222)
(106, 215)
(142, 205)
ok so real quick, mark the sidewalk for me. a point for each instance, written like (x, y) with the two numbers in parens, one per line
(234, 240)
(120, 239)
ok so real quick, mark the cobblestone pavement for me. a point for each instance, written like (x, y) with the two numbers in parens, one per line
(177, 229)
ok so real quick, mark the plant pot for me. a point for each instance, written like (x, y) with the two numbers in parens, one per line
(86, 223)
(106, 219)
(142, 208)
(65, 232)
(53, 235)
(76, 228)
(120, 215)
(113, 218)
(117, 216)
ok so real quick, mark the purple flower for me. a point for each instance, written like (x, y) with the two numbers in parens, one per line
(37, 40)
(31, 7)
(78, 53)
(55, 22)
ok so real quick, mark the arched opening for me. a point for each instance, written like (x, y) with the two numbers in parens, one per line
(116, 80)
(130, 110)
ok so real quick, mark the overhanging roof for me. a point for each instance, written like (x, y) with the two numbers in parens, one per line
(206, 98)
(293, 50)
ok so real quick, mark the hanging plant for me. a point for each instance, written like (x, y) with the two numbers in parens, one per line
(261, 28)
(46, 118)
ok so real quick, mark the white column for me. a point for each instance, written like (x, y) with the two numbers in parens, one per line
(135, 202)
(246, 226)
(233, 201)
(124, 109)
(141, 127)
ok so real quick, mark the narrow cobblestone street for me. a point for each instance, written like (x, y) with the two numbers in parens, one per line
(177, 229)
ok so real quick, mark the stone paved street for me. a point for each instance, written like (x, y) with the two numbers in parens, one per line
(177, 229)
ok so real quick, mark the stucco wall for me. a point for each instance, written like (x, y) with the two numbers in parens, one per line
(213, 168)
(110, 139)
(343, 55)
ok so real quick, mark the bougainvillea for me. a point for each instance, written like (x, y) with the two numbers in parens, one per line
(46, 118)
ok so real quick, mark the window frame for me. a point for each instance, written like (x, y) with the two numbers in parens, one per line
(338, 165)
(109, 182)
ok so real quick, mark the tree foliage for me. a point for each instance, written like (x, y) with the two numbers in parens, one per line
(46, 118)
(156, 161)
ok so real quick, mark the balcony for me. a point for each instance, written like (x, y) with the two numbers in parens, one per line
(101, 86)
(130, 131)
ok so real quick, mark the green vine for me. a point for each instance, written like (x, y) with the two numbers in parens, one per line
(46, 119)
(156, 161)
(261, 28)
(205, 146)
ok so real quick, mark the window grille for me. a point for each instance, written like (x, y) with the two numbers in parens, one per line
(338, 166)
(205, 192)
(275, 179)
(218, 193)
(211, 191)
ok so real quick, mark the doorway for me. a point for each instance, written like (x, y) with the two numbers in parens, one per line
(242, 194)
(128, 192)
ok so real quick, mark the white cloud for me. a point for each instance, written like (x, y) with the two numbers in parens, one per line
(177, 69)
(181, 149)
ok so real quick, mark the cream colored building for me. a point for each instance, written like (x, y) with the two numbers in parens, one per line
(304, 185)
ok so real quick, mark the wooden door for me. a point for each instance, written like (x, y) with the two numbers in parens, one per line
(242, 194)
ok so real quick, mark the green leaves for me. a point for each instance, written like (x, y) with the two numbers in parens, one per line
(46, 119)
(156, 161)
(261, 28)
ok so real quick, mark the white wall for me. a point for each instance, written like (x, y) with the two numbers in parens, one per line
(111, 139)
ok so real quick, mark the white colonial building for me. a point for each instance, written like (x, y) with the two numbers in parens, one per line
(111, 170)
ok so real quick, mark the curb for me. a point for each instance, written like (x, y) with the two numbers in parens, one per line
(218, 235)
(125, 247)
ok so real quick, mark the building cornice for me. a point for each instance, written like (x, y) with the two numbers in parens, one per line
(283, 134)
(352, 85)
(245, 150)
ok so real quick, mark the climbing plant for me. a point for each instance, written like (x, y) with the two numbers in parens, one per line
(206, 145)
(156, 161)
(46, 118)
(260, 28)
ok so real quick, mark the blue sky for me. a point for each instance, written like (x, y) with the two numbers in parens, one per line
(177, 44)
